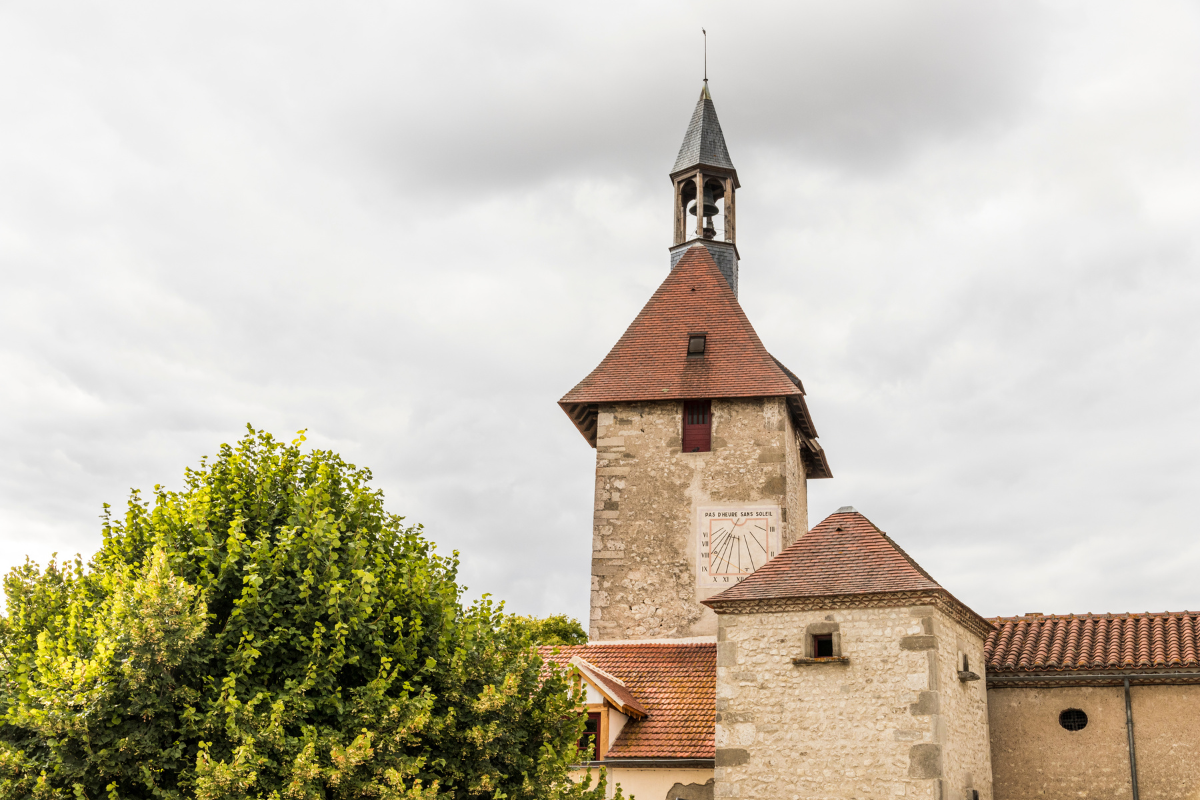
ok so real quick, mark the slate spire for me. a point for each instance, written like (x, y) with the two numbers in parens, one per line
(704, 143)
(705, 182)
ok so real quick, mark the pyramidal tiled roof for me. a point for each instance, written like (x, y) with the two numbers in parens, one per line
(844, 554)
(704, 143)
(1078, 642)
(676, 685)
(650, 361)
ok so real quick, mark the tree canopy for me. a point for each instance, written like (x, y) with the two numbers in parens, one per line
(270, 631)
(556, 629)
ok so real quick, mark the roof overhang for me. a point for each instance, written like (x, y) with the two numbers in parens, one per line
(1045, 680)
(611, 687)
(939, 598)
(708, 170)
(653, 763)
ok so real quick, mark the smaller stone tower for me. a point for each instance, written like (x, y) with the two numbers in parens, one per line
(845, 670)
(704, 443)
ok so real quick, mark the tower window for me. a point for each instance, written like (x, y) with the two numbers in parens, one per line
(823, 645)
(696, 345)
(697, 426)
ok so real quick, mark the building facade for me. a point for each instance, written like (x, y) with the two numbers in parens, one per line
(737, 653)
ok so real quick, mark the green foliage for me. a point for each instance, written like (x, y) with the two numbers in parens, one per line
(557, 629)
(271, 632)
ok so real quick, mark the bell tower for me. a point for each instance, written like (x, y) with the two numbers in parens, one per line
(704, 443)
(705, 183)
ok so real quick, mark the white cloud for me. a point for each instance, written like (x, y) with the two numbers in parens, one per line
(410, 229)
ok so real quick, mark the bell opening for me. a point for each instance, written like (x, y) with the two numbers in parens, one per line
(714, 209)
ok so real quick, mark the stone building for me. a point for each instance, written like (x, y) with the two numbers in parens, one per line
(737, 653)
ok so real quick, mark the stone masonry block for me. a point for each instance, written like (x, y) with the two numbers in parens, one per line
(925, 761)
(918, 642)
(770, 455)
(776, 484)
(731, 756)
(927, 703)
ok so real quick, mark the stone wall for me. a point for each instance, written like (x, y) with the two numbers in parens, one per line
(1034, 756)
(797, 486)
(647, 490)
(895, 721)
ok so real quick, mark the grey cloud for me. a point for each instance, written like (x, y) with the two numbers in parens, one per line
(970, 229)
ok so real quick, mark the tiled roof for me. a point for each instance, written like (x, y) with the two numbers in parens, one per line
(612, 687)
(675, 683)
(844, 554)
(650, 361)
(704, 143)
(1039, 643)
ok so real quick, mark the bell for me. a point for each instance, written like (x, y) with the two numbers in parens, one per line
(710, 205)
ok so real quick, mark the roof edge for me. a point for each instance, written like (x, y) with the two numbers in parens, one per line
(940, 598)
(1090, 615)
(651, 763)
(1106, 676)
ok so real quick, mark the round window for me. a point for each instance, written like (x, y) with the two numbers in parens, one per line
(1073, 719)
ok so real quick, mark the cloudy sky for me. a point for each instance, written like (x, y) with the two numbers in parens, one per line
(973, 229)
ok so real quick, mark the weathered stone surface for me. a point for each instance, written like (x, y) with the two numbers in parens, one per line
(919, 643)
(891, 722)
(731, 757)
(647, 493)
(925, 761)
(692, 791)
(927, 703)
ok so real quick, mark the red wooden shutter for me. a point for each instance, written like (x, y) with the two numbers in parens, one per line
(697, 426)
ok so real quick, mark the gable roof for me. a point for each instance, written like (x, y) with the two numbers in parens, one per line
(844, 556)
(704, 143)
(676, 684)
(610, 686)
(1083, 642)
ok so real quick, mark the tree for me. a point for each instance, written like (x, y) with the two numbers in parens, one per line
(270, 631)
(557, 629)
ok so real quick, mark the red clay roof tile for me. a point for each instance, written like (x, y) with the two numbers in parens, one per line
(650, 362)
(610, 686)
(675, 683)
(844, 554)
(1078, 642)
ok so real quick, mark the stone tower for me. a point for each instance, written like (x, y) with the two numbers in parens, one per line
(704, 443)
(845, 670)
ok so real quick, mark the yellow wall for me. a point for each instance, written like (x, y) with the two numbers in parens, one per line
(656, 784)
(1033, 756)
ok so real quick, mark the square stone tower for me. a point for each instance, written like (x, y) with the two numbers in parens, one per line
(702, 458)
(704, 444)
(845, 671)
